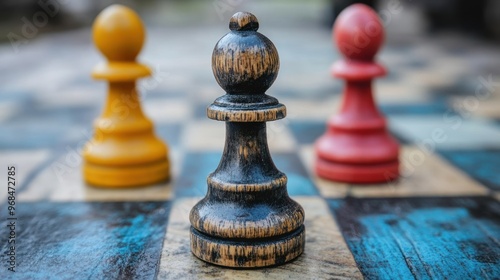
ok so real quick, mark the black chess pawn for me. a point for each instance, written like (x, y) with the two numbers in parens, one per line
(247, 218)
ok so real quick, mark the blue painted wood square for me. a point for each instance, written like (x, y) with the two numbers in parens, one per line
(97, 240)
(422, 237)
(483, 165)
(306, 132)
(169, 132)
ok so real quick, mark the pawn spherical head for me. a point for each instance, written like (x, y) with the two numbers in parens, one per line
(358, 32)
(118, 33)
(245, 61)
(243, 21)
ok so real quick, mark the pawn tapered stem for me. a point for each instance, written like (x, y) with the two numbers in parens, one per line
(247, 218)
(124, 151)
(357, 147)
(246, 146)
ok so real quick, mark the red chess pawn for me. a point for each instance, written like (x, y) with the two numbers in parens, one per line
(357, 147)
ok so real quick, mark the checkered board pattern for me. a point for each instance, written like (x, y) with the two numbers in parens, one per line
(440, 220)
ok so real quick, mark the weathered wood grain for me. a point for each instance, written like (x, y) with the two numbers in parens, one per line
(326, 255)
(422, 238)
(87, 240)
(247, 219)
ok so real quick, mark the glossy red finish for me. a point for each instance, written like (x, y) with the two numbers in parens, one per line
(358, 32)
(357, 147)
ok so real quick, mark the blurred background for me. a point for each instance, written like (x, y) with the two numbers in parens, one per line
(480, 18)
(438, 52)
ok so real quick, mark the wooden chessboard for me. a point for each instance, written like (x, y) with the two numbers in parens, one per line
(440, 220)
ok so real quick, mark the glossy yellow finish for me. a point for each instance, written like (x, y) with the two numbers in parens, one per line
(118, 33)
(124, 151)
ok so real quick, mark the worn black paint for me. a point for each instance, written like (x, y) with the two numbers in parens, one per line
(246, 188)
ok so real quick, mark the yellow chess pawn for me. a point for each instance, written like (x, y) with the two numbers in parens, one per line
(124, 151)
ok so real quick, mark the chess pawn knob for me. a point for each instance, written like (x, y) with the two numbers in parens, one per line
(247, 218)
(357, 147)
(124, 151)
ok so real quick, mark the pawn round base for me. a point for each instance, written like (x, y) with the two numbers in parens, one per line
(126, 176)
(248, 254)
(357, 173)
